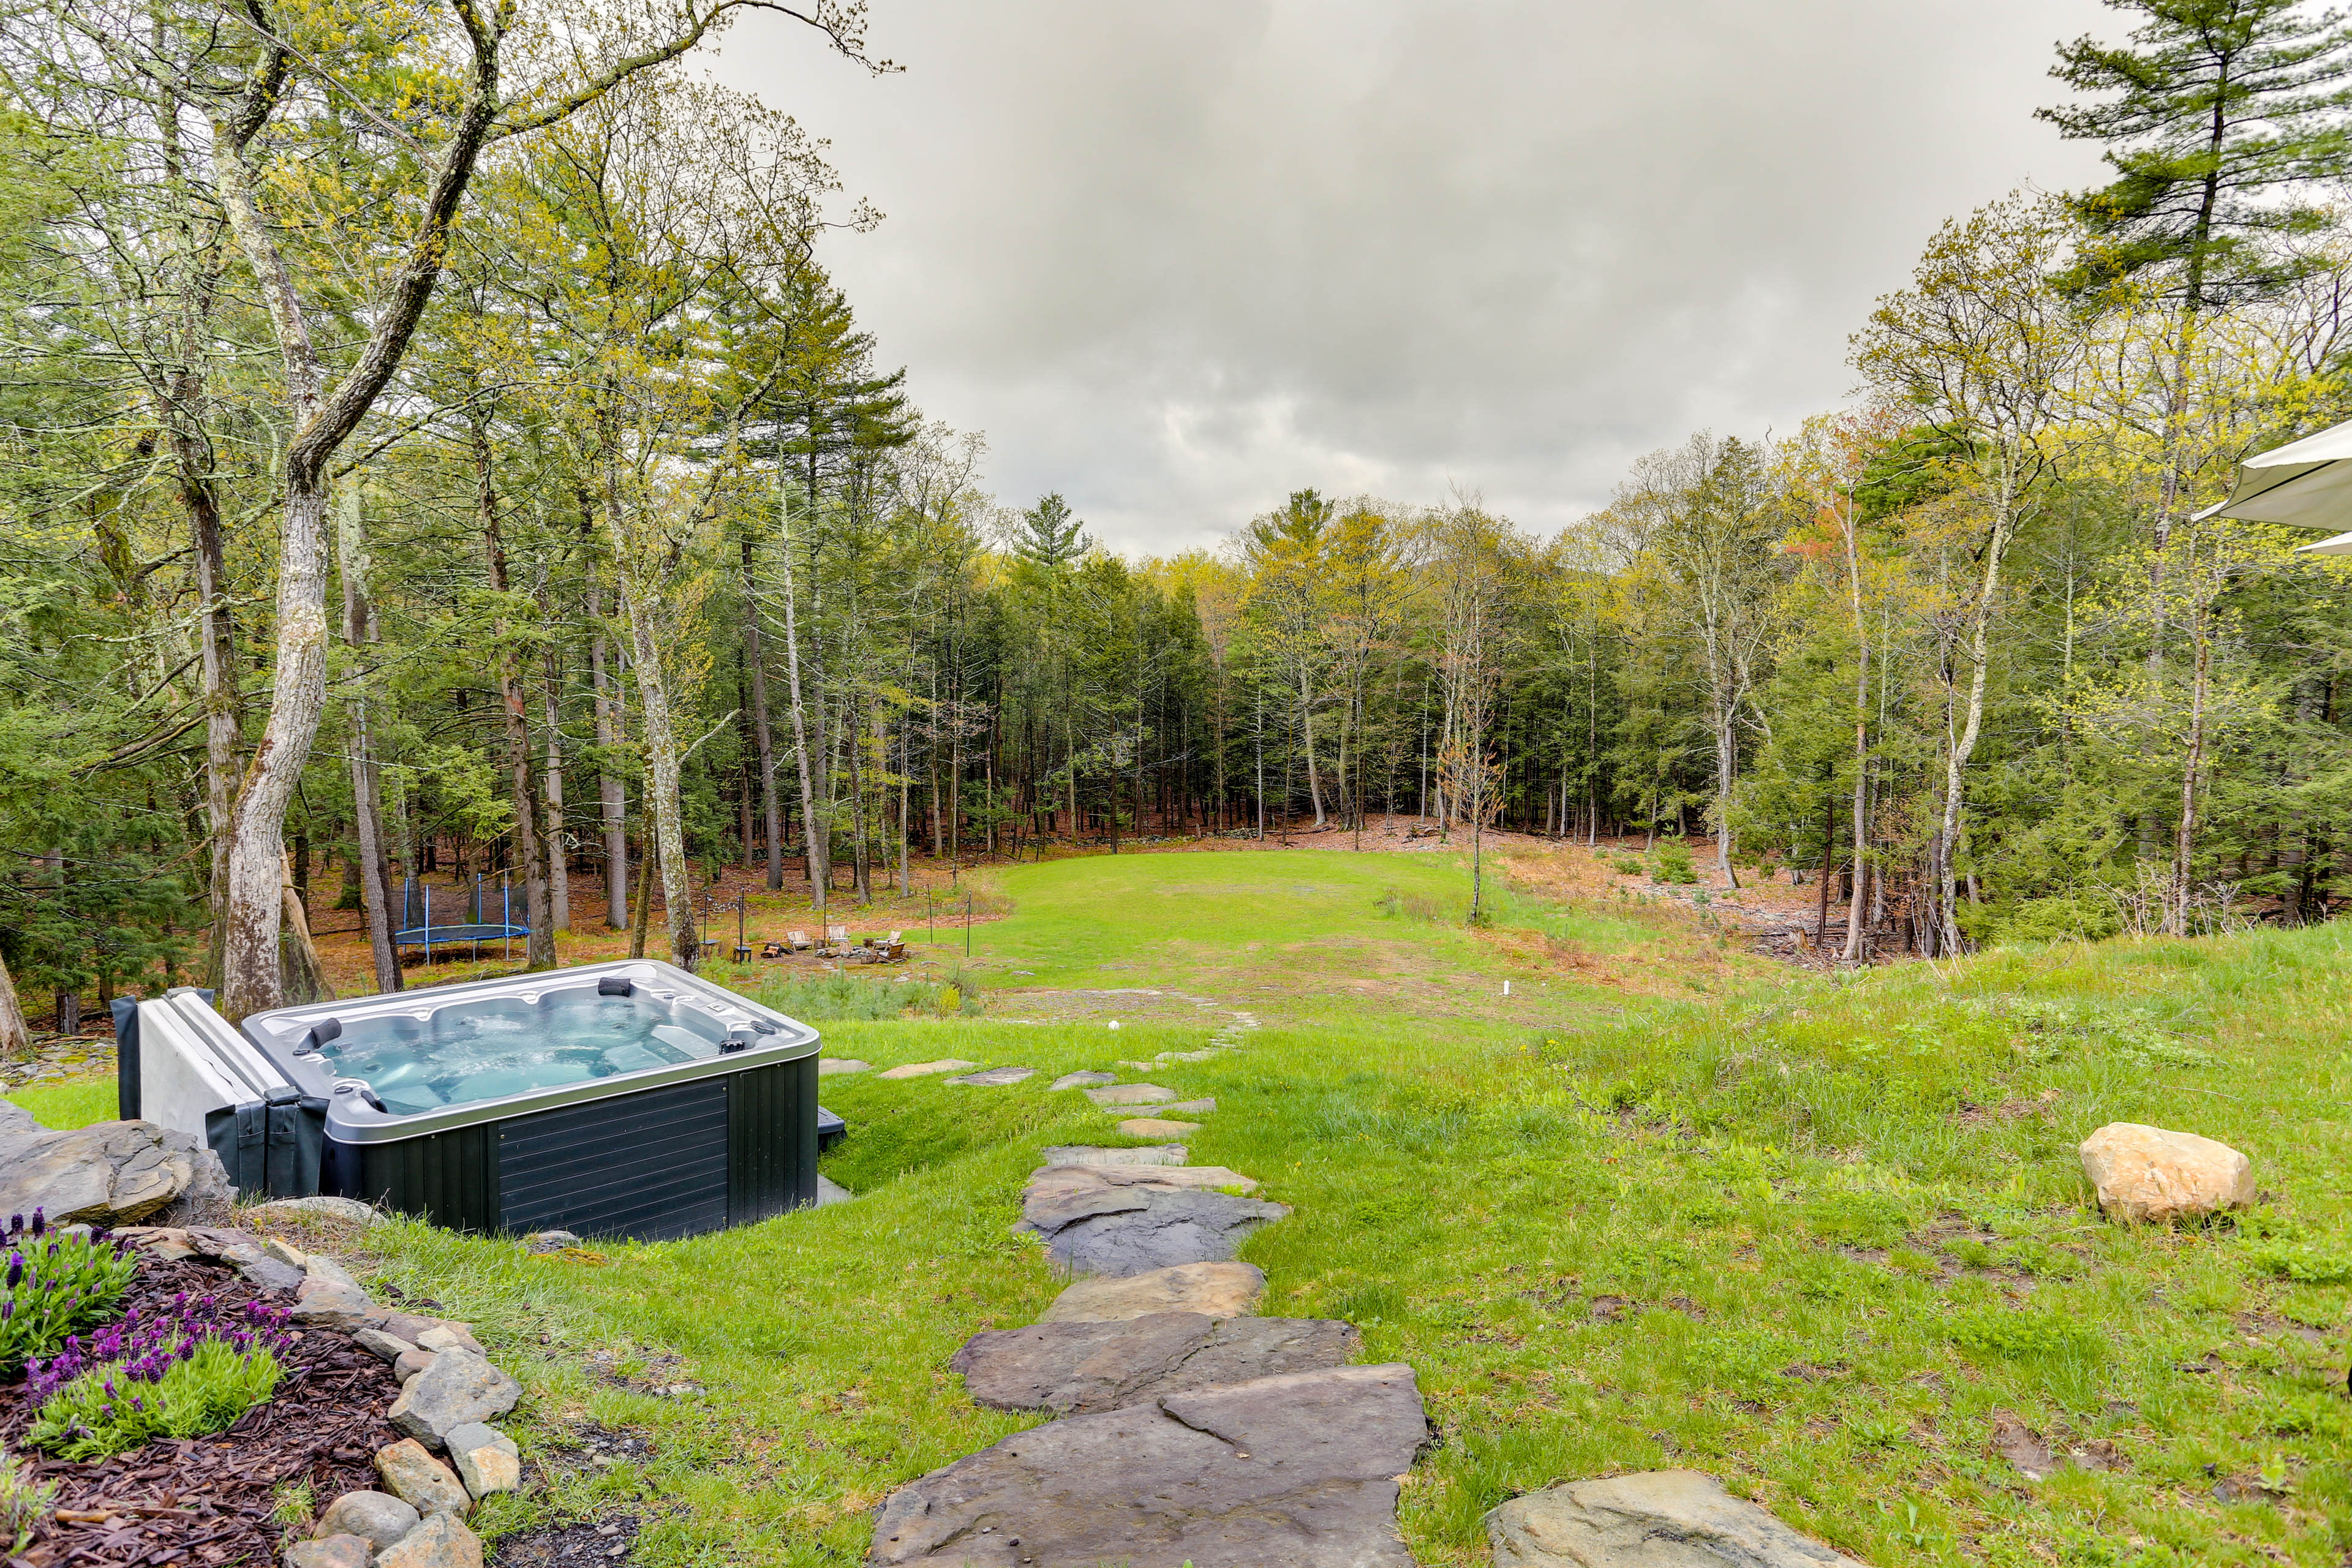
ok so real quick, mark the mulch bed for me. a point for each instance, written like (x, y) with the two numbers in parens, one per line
(210, 1500)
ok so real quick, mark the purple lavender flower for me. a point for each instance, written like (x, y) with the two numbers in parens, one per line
(40, 1224)
(16, 1270)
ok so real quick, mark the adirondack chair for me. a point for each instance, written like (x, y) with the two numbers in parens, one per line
(798, 940)
(836, 936)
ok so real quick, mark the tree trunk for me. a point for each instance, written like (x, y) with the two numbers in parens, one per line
(539, 947)
(1306, 728)
(815, 824)
(1861, 738)
(359, 631)
(2184, 842)
(305, 976)
(772, 808)
(1964, 745)
(559, 869)
(661, 765)
(15, 1038)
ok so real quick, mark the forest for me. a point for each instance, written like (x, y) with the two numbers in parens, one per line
(435, 447)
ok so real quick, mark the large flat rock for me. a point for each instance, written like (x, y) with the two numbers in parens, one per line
(1298, 1471)
(925, 1069)
(1655, 1519)
(109, 1173)
(995, 1078)
(1130, 1094)
(1120, 1229)
(1214, 1289)
(1092, 1154)
(1079, 1369)
(1051, 1186)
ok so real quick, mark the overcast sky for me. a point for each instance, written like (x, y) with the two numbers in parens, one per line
(1177, 260)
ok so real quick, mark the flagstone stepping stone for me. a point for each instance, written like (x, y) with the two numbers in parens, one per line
(828, 1065)
(1080, 1079)
(1190, 1107)
(1092, 1154)
(1657, 1518)
(1129, 1094)
(1155, 1127)
(1166, 1056)
(995, 1078)
(1298, 1470)
(1053, 1183)
(1077, 1369)
(1121, 1230)
(829, 1191)
(924, 1069)
(1213, 1289)
(1138, 1067)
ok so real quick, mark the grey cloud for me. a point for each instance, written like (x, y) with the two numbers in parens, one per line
(1179, 260)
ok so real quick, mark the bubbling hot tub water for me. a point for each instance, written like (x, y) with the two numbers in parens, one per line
(463, 1053)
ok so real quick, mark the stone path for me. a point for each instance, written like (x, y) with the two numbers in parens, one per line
(1189, 1430)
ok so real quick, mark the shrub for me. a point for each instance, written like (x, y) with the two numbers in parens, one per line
(1627, 866)
(1671, 862)
(94, 1416)
(201, 1365)
(57, 1282)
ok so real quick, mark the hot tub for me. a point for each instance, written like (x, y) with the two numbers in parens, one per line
(617, 1099)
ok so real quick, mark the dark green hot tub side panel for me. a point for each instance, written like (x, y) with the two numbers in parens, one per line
(654, 1165)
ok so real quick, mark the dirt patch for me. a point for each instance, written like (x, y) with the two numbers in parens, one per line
(599, 1541)
(211, 1499)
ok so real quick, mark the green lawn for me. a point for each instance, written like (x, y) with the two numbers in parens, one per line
(1810, 1236)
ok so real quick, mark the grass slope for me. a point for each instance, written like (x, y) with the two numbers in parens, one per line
(1814, 1237)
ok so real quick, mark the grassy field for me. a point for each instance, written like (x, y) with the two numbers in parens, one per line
(1659, 1205)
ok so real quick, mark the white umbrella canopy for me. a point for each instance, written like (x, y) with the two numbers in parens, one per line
(2305, 484)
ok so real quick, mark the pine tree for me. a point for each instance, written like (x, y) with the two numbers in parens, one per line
(2213, 109)
(1048, 534)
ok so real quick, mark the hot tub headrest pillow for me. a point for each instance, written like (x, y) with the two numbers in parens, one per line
(323, 1031)
(614, 985)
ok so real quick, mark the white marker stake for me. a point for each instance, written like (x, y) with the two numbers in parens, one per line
(1114, 1023)
(1507, 988)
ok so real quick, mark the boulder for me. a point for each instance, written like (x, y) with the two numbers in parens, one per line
(1089, 1154)
(924, 1069)
(544, 1241)
(411, 1362)
(2151, 1174)
(109, 1173)
(14, 1118)
(487, 1459)
(828, 1065)
(1130, 1094)
(995, 1078)
(418, 1479)
(1213, 1289)
(1080, 1079)
(328, 1551)
(449, 1337)
(442, 1540)
(1123, 1229)
(330, 1297)
(1156, 1127)
(1657, 1518)
(379, 1518)
(1300, 1470)
(391, 1347)
(246, 1254)
(1079, 1368)
(458, 1389)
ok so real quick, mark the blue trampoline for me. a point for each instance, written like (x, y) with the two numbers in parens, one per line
(462, 924)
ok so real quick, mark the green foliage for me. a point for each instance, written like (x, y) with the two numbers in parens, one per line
(826, 997)
(95, 1415)
(2304, 1263)
(1671, 862)
(57, 1283)
(2015, 1335)
(24, 1502)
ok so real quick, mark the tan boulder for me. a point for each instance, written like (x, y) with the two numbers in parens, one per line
(2155, 1174)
